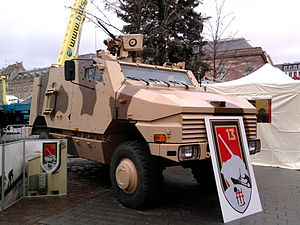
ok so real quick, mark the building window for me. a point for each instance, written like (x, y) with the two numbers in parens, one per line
(285, 68)
(295, 66)
(249, 64)
(295, 74)
(290, 74)
(222, 76)
(221, 67)
(249, 67)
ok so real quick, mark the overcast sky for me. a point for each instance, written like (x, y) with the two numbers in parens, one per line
(32, 30)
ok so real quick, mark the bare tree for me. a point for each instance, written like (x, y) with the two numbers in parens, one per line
(218, 41)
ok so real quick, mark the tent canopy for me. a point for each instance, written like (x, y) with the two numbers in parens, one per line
(280, 138)
(264, 75)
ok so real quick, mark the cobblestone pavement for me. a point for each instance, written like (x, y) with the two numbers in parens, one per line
(183, 201)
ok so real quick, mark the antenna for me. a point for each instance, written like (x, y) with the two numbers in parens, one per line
(106, 30)
(95, 38)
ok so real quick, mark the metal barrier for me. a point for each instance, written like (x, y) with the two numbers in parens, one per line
(24, 170)
(16, 132)
(20, 165)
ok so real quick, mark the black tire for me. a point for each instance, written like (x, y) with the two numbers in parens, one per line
(149, 175)
(203, 173)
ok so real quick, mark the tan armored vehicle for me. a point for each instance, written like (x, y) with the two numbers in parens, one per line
(137, 118)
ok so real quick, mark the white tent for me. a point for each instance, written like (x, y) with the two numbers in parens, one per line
(280, 138)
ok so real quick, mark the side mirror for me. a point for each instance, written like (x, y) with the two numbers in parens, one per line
(69, 70)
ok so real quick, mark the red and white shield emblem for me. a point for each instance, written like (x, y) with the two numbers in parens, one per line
(50, 157)
(232, 164)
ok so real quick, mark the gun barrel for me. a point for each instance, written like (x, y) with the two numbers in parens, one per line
(219, 135)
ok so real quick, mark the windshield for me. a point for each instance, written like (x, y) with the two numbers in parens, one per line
(152, 74)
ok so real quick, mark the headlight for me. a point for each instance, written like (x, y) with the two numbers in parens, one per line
(188, 152)
(254, 146)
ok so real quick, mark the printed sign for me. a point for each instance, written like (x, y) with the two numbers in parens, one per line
(11, 173)
(232, 167)
(46, 167)
(50, 157)
(263, 110)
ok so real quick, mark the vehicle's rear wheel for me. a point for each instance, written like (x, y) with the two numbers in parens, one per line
(203, 173)
(135, 176)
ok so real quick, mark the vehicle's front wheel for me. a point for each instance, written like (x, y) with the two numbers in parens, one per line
(135, 176)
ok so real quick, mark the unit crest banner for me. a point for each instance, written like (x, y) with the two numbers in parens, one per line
(50, 157)
(232, 166)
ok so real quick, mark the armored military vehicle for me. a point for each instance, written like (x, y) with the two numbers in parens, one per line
(135, 117)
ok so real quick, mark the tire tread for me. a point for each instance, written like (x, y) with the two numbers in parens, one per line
(151, 173)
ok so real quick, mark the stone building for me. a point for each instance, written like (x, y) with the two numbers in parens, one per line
(11, 71)
(232, 59)
(291, 69)
(21, 84)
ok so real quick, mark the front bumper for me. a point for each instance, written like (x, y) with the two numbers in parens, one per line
(172, 151)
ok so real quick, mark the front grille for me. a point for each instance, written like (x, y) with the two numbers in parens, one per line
(193, 127)
(250, 126)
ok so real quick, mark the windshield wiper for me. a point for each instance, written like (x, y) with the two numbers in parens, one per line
(176, 82)
(138, 79)
(133, 78)
(157, 80)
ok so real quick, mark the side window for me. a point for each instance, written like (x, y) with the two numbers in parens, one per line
(93, 73)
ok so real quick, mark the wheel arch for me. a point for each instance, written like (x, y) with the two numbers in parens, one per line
(39, 125)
